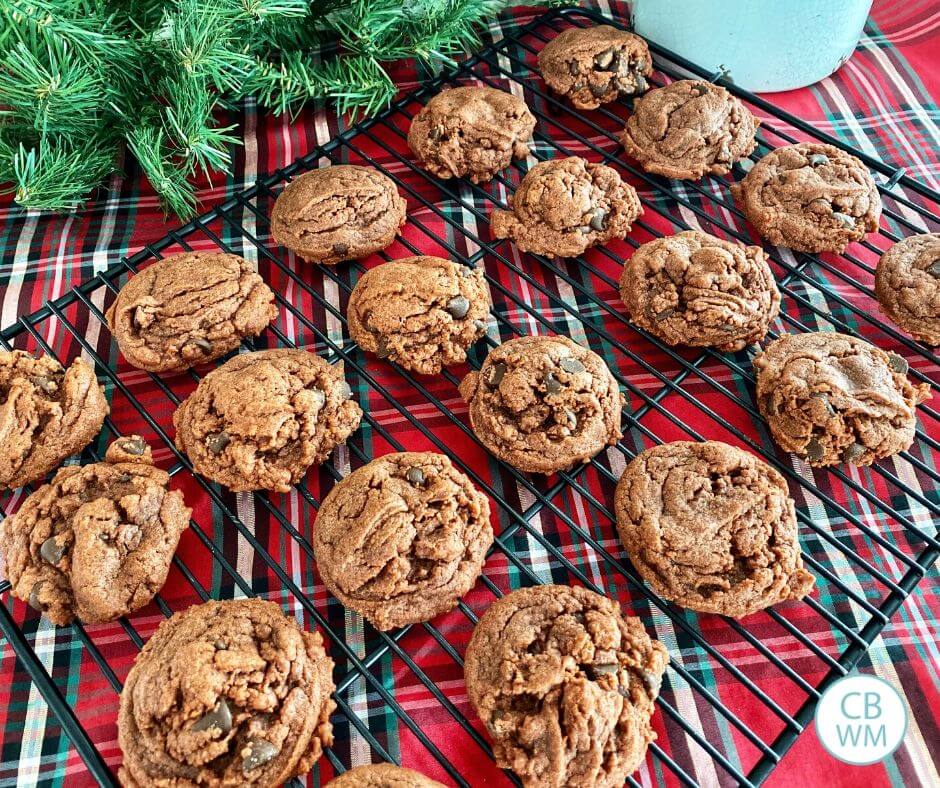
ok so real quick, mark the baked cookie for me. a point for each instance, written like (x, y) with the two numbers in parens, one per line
(46, 414)
(336, 213)
(401, 539)
(262, 419)
(711, 528)
(96, 542)
(565, 685)
(543, 404)
(471, 132)
(188, 309)
(696, 289)
(421, 312)
(382, 775)
(833, 398)
(226, 694)
(591, 66)
(563, 207)
(688, 129)
(907, 283)
(810, 197)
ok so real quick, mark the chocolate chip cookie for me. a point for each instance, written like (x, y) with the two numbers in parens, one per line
(543, 404)
(471, 132)
(96, 542)
(338, 213)
(188, 309)
(810, 197)
(565, 686)
(401, 539)
(696, 289)
(421, 312)
(563, 207)
(591, 66)
(226, 694)
(688, 129)
(833, 398)
(711, 528)
(261, 419)
(382, 775)
(46, 414)
(907, 283)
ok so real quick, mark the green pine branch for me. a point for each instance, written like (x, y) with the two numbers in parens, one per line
(79, 79)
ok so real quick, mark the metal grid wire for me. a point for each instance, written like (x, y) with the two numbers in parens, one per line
(866, 533)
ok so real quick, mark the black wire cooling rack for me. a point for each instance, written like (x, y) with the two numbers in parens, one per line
(737, 694)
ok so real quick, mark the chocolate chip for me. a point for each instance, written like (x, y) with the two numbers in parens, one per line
(603, 60)
(220, 718)
(552, 386)
(259, 753)
(573, 68)
(572, 418)
(641, 83)
(342, 390)
(825, 400)
(845, 219)
(571, 365)
(341, 249)
(853, 452)
(818, 159)
(104, 537)
(605, 669)
(436, 134)
(415, 476)
(48, 385)
(598, 219)
(496, 373)
(699, 89)
(382, 349)
(203, 344)
(814, 450)
(220, 645)
(33, 600)
(578, 86)
(458, 307)
(51, 551)
(934, 269)
(600, 90)
(585, 229)
(480, 325)
(134, 446)
(666, 313)
(898, 363)
(640, 64)
(217, 441)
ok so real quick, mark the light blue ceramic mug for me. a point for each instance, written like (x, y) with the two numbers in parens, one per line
(766, 45)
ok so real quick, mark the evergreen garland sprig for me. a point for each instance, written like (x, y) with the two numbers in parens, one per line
(81, 81)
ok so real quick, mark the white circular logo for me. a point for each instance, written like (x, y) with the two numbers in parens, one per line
(861, 719)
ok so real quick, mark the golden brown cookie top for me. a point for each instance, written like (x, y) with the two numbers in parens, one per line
(907, 283)
(225, 694)
(810, 197)
(591, 66)
(543, 404)
(189, 308)
(711, 527)
(341, 212)
(382, 775)
(401, 539)
(565, 206)
(96, 542)
(262, 419)
(695, 289)
(565, 686)
(472, 131)
(420, 312)
(688, 129)
(46, 414)
(834, 398)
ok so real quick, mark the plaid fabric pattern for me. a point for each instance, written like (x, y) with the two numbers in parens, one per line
(734, 690)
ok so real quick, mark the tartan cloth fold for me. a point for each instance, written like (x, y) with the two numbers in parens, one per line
(882, 100)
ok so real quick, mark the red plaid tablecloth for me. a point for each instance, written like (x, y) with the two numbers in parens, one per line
(883, 100)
